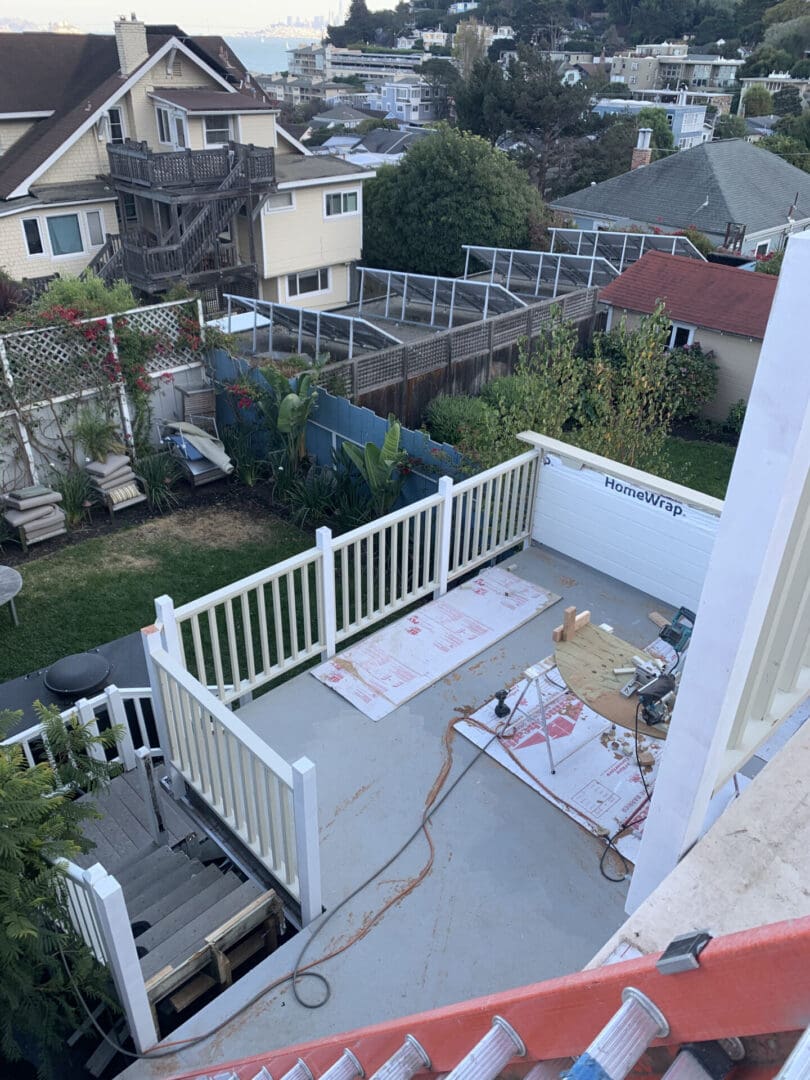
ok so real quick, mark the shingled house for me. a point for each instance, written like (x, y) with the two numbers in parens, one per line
(153, 155)
(739, 195)
(720, 308)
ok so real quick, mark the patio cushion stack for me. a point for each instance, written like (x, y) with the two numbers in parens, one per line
(35, 513)
(115, 481)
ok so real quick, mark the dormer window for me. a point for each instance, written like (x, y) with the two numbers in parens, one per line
(217, 130)
(115, 125)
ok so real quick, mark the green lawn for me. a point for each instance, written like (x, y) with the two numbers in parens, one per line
(102, 588)
(705, 466)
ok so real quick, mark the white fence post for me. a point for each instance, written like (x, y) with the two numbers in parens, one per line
(119, 945)
(307, 839)
(170, 632)
(121, 389)
(150, 636)
(323, 541)
(118, 716)
(445, 533)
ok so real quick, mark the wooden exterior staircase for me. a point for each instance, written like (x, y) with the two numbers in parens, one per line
(739, 1011)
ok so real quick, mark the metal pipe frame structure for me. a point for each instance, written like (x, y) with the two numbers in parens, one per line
(534, 269)
(621, 249)
(443, 297)
(322, 326)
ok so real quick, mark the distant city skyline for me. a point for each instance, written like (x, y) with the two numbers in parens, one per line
(97, 16)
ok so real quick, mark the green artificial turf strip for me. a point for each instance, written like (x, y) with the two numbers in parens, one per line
(705, 466)
(103, 588)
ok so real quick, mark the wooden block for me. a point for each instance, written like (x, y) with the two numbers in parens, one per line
(571, 623)
(246, 948)
(658, 619)
(189, 993)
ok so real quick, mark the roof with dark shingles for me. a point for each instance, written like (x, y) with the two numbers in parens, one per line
(707, 187)
(74, 74)
(700, 293)
(210, 101)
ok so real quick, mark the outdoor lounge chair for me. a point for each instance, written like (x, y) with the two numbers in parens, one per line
(197, 449)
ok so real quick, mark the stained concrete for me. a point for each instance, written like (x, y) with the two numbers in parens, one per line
(514, 895)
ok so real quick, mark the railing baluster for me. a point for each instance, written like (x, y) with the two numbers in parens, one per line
(247, 638)
(233, 651)
(263, 636)
(213, 630)
(277, 624)
(417, 552)
(291, 614)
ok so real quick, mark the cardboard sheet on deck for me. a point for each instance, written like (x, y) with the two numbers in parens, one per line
(596, 780)
(385, 670)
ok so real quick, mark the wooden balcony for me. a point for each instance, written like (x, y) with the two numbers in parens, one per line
(134, 163)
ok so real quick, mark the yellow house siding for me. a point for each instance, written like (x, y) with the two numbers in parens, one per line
(14, 257)
(304, 238)
(259, 130)
(83, 161)
(142, 107)
(736, 359)
(11, 130)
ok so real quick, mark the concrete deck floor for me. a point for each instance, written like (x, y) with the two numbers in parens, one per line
(515, 894)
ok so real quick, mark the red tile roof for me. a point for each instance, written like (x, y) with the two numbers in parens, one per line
(701, 293)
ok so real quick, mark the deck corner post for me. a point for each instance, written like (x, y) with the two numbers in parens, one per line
(169, 631)
(113, 921)
(307, 838)
(151, 639)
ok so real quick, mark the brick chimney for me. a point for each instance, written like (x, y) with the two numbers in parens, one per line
(642, 154)
(130, 40)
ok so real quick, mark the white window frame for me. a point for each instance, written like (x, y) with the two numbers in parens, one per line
(268, 209)
(305, 273)
(82, 237)
(228, 120)
(676, 326)
(161, 110)
(101, 223)
(45, 253)
(134, 220)
(762, 243)
(122, 123)
(343, 192)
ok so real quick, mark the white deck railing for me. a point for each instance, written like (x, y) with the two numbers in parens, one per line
(128, 709)
(244, 635)
(270, 805)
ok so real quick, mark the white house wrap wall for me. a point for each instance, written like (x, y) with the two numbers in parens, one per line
(638, 528)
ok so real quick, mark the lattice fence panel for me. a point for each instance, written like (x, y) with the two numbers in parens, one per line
(47, 363)
(576, 305)
(428, 355)
(165, 323)
(337, 379)
(380, 369)
(540, 316)
(508, 329)
(469, 341)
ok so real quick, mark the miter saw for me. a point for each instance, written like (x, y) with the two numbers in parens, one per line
(654, 686)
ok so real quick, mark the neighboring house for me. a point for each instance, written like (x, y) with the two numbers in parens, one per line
(378, 147)
(462, 6)
(738, 195)
(774, 83)
(342, 116)
(154, 156)
(650, 67)
(583, 71)
(411, 100)
(720, 308)
(758, 127)
(685, 121)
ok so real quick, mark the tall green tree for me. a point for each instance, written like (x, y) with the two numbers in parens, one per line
(40, 822)
(758, 101)
(451, 189)
(730, 127)
(360, 26)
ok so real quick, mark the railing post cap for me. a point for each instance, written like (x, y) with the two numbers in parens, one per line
(445, 484)
(303, 765)
(323, 535)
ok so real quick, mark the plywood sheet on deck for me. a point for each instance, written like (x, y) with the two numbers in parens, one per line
(385, 670)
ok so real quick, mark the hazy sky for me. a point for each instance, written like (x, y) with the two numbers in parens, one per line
(196, 16)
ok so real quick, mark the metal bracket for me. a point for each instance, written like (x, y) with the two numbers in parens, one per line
(682, 953)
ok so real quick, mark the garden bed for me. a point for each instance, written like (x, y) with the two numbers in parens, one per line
(99, 582)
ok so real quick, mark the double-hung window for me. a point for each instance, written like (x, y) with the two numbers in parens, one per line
(217, 130)
(33, 237)
(95, 228)
(310, 281)
(279, 200)
(115, 122)
(164, 125)
(339, 203)
(65, 234)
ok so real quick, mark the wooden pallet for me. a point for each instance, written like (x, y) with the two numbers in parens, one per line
(255, 928)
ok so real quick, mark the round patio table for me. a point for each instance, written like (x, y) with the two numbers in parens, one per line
(10, 585)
